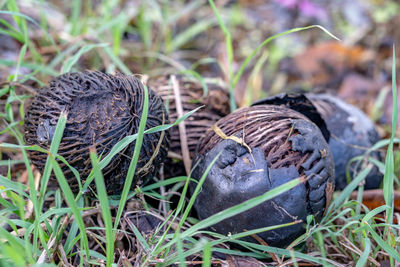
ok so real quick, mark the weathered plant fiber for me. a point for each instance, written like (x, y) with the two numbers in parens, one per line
(102, 109)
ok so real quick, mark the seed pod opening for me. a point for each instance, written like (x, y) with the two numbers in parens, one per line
(351, 131)
(215, 104)
(279, 144)
(102, 109)
(352, 134)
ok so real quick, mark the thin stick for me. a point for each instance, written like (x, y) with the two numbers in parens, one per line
(182, 129)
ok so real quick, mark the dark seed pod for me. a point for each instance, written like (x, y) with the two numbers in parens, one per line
(101, 110)
(280, 145)
(352, 133)
(191, 93)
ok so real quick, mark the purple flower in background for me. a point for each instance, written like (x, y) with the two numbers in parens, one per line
(306, 8)
(287, 3)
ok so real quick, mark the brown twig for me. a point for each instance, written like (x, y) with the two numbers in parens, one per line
(63, 256)
(262, 242)
(182, 129)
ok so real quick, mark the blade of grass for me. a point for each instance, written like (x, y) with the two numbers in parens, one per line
(140, 237)
(121, 65)
(179, 248)
(229, 51)
(192, 31)
(197, 191)
(389, 162)
(136, 153)
(373, 212)
(38, 231)
(232, 211)
(125, 142)
(105, 208)
(30, 20)
(384, 245)
(20, 60)
(69, 196)
(222, 239)
(350, 188)
(285, 252)
(75, 17)
(362, 261)
(268, 40)
(55, 144)
(207, 252)
(15, 186)
(84, 49)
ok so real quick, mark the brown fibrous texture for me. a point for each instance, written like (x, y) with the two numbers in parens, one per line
(266, 127)
(101, 110)
(215, 102)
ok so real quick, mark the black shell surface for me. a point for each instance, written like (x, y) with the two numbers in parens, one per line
(285, 145)
(352, 134)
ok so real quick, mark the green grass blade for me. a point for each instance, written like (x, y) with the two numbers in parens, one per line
(125, 142)
(197, 191)
(69, 197)
(268, 40)
(55, 144)
(350, 188)
(136, 153)
(373, 212)
(20, 60)
(229, 51)
(139, 237)
(284, 252)
(362, 261)
(207, 252)
(118, 62)
(192, 31)
(232, 211)
(30, 20)
(14, 186)
(242, 207)
(389, 162)
(222, 239)
(72, 61)
(105, 208)
(384, 245)
(75, 17)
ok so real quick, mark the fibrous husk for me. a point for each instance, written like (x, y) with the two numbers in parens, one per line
(192, 96)
(350, 132)
(101, 110)
(258, 149)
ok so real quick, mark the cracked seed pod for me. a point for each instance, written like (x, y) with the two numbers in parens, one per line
(101, 110)
(352, 133)
(284, 145)
(216, 105)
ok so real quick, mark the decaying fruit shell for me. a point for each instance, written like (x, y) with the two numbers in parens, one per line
(101, 110)
(279, 144)
(192, 96)
(352, 134)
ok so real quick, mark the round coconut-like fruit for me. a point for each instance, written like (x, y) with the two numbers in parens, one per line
(277, 145)
(101, 110)
(191, 95)
(352, 134)
(349, 131)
